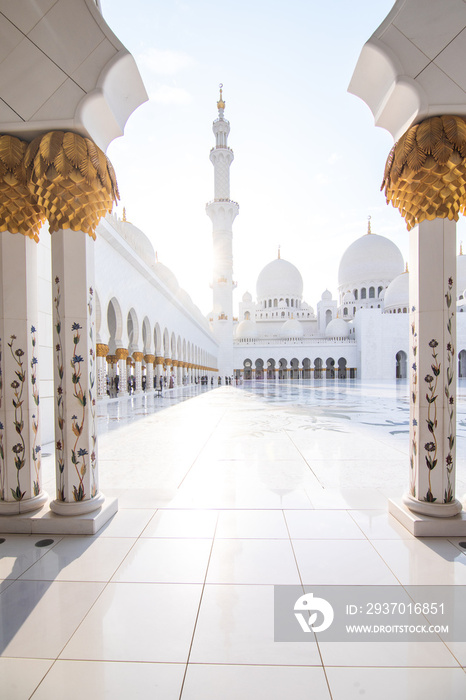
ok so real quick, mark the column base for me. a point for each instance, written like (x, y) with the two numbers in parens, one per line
(433, 510)
(70, 508)
(422, 525)
(10, 508)
(46, 522)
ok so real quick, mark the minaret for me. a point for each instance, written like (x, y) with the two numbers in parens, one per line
(222, 212)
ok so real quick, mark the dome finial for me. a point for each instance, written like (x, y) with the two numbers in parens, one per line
(124, 214)
(406, 267)
(369, 224)
(279, 251)
(221, 103)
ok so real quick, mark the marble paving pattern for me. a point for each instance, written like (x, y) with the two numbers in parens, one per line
(222, 494)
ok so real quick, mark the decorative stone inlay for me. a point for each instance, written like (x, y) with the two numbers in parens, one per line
(425, 173)
(101, 350)
(71, 179)
(19, 210)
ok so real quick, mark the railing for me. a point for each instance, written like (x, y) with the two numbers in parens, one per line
(220, 199)
(295, 341)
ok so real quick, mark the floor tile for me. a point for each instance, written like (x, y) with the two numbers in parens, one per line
(252, 524)
(322, 524)
(330, 562)
(165, 560)
(415, 562)
(348, 499)
(386, 654)
(128, 522)
(138, 622)
(20, 677)
(252, 561)
(81, 559)
(39, 617)
(182, 523)
(19, 552)
(236, 626)
(252, 682)
(380, 525)
(103, 680)
(399, 683)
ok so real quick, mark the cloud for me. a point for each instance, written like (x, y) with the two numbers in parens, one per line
(169, 95)
(334, 158)
(163, 62)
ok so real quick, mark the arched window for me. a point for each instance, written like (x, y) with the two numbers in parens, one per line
(379, 291)
(292, 302)
(371, 292)
(345, 311)
(354, 310)
(328, 317)
(363, 293)
(247, 316)
(355, 292)
(287, 302)
(270, 303)
(283, 314)
(401, 367)
(275, 303)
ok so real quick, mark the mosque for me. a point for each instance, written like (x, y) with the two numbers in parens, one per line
(150, 330)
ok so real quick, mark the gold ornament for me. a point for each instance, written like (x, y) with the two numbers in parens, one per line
(138, 356)
(72, 180)
(101, 350)
(121, 353)
(149, 359)
(425, 173)
(19, 212)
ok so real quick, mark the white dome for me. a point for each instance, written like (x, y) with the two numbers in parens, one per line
(326, 296)
(397, 293)
(246, 329)
(291, 329)
(166, 275)
(337, 329)
(349, 296)
(137, 240)
(247, 297)
(370, 258)
(279, 279)
(460, 273)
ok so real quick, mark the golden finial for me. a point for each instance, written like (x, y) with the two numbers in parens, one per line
(406, 267)
(461, 248)
(279, 252)
(369, 224)
(124, 214)
(221, 103)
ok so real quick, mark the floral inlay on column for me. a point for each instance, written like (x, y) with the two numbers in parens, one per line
(59, 418)
(93, 457)
(78, 454)
(19, 448)
(431, 397)
(414, 392)
(451, 359)
(35, 449)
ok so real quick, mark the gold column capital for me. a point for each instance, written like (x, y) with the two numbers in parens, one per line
(150, 359)
(121, 353)
(71, 179)
(19, 210)
(138, 356)
(101, 350)
(425, 173)
(159, 361)
(111, 359)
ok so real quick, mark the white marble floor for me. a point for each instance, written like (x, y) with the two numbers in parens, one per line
(220, 498)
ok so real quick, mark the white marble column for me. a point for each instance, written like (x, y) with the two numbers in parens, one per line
(149, 360)
(74, 374)
(20, 445)
(121, 355)
(432, 296)
(101, 364)
(158, 370)
(138, 358)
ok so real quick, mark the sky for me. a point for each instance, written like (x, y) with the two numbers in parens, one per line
(308, 159)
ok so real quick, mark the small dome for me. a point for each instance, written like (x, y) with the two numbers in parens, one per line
(370, 258)
(397, 293)
(291, 329)
(246, 329)
(349, 297)
(247, 297)
(166, 275)
(279, 279)
(337, 329)
(460, 273)
(326, 296)
(137, 240)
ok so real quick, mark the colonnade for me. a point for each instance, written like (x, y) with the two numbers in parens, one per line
(66, 180)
